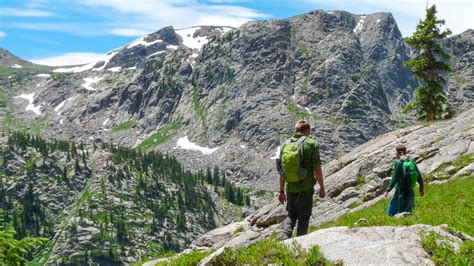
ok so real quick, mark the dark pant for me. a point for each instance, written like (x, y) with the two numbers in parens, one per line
(299, 206)
(401, 203)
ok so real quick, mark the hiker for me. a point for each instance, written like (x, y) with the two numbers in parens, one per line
(405, 174)
(299, 166)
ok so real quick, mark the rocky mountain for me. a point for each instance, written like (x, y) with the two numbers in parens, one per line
(355, 181)
(211, 97)
(238, 92)
(8, 59)
(12, 65)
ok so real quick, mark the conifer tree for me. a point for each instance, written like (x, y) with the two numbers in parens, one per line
(429, 66)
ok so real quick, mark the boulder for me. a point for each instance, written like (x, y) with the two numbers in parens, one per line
(381, 245)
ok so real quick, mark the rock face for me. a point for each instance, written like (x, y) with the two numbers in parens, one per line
(434, 147)
(460, 85)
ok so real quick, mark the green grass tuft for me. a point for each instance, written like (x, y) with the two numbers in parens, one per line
(442, 253)
(160, 137)
(125, 125)
(199, 107)
(451, 203)
(298, 112)
(186, 259)
(354, 205)
(271, 251)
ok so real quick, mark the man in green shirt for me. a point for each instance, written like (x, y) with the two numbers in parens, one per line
(404, 198)
(299, 195)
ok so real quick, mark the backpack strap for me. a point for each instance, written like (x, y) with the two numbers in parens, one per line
(300, 146)
(288, 141)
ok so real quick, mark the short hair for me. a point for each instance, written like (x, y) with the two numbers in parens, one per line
(301, 126)
(401, 149)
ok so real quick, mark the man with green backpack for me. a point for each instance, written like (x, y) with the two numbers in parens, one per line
(405, 175)
(299, 165)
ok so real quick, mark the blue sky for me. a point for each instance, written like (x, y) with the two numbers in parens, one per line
(77, 31)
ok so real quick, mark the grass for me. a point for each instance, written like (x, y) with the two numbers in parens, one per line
(354, 205)
(460, 81)
(360, 180)
(451, 203)
(124, 126)
(186, 259)
(260, 193)
(442, 253)
(199, 107)
(239, 230)
(299, 112)
(11, 123)
(6, 71)
(271, 251)
(161, 136)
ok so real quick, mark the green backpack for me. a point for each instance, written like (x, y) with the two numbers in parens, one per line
(409, 178)
(291, 159)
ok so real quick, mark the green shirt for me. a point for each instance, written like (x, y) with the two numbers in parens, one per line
(311, 158)
(397, 175)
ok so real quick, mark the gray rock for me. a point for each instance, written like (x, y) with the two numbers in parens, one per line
(402, 215)
(385, 245)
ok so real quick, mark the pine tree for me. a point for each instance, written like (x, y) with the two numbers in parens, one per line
(208, 175)
(240, 197)
(247, 200)
(429, 66)
(216, 177)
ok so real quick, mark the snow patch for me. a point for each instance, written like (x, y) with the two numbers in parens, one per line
(59, 106)
(43, 75)
(159, 52)
(330, 12)
(115, 69)
(89, 82)
(172, 47)
(132, 68)
(105, 58)
(358, 28)
(185, 144)
(105, 122)
(141, 41)
(190, 41)
(378, 20)
(10, 77)
(277, 154)
(61, 121)
(243, 147)
(307, 109)
(16, 66)
(30, 107)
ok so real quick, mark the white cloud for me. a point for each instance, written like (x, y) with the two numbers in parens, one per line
(2, 34)
(458, 14)
(68, 59)
(134, 18)
(129, 32)
(26, 12)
